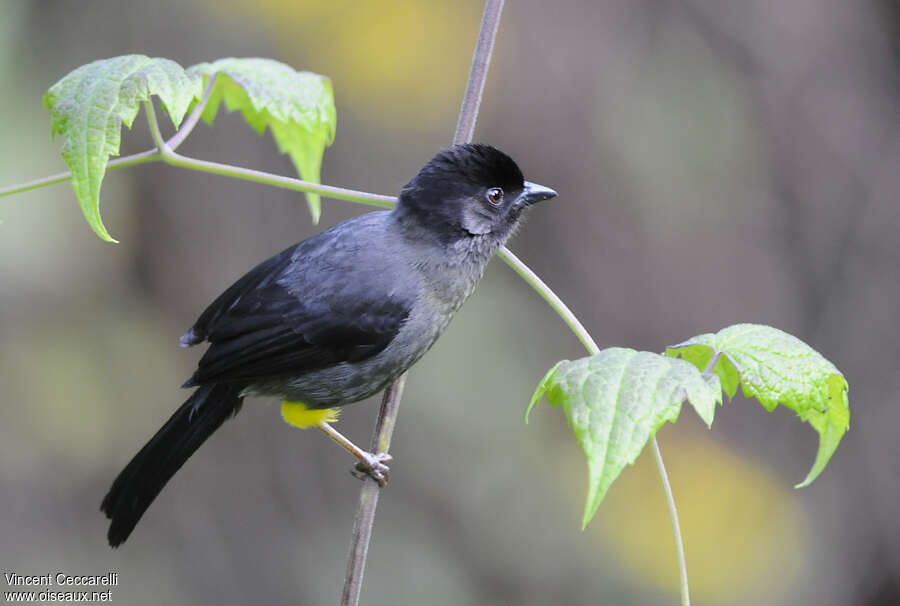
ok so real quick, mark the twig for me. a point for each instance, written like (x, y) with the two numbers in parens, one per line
(151, 155)
(552, 299)
(227, 170)
(387, 416)
(368, 495)
(169, 156)
(676, 528)
(481, 60)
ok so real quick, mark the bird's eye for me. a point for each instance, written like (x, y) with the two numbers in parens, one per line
(495, 195)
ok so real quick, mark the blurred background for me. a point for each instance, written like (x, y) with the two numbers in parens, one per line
(716, 163)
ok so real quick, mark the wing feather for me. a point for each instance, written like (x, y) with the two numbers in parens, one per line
(311, 306)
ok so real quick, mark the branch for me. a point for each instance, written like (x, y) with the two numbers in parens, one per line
(170, 157)
(533, 280)
(481, 60)
(387, 416)
(368, 495)
(151, 155)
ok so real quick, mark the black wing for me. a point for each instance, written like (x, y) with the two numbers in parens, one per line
(327, 300)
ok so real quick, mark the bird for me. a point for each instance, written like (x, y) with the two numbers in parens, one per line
(337, 317)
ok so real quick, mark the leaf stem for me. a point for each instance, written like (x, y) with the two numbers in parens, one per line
(151, 155)
(169, 156)
(676, 528)
(584, 336)
(191, 121)
(161, 145)
(247, 174)
(552, 299)
(712, 362)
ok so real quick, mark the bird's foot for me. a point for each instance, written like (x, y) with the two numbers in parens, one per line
(373, 466)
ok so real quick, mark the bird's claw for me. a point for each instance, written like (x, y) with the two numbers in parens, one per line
(373, 467)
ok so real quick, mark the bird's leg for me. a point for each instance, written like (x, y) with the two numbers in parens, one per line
(370, 464)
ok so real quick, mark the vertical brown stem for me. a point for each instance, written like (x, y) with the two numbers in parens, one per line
(368, 495)
(390, 404)
(481, 60)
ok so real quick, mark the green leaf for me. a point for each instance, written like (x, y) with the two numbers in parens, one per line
(777, 368)
(542, 388)
(616, 401)
(89, 105)
(699, 351)
(298, 107)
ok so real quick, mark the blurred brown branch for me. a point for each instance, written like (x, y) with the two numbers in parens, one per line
(390, 405)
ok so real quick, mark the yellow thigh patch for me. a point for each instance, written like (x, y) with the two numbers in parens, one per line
(300, 415)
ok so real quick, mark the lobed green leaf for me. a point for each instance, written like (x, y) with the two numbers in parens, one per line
(777, 368)
(298, 107)
(616, 400)
(89, 106)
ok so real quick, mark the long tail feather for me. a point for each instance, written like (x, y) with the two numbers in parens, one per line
(147, 473)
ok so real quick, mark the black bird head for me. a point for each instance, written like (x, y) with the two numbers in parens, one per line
(469, 190)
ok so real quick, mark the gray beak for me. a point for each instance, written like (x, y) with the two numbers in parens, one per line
(534, 193)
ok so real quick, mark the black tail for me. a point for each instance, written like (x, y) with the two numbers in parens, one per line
(144, 477)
